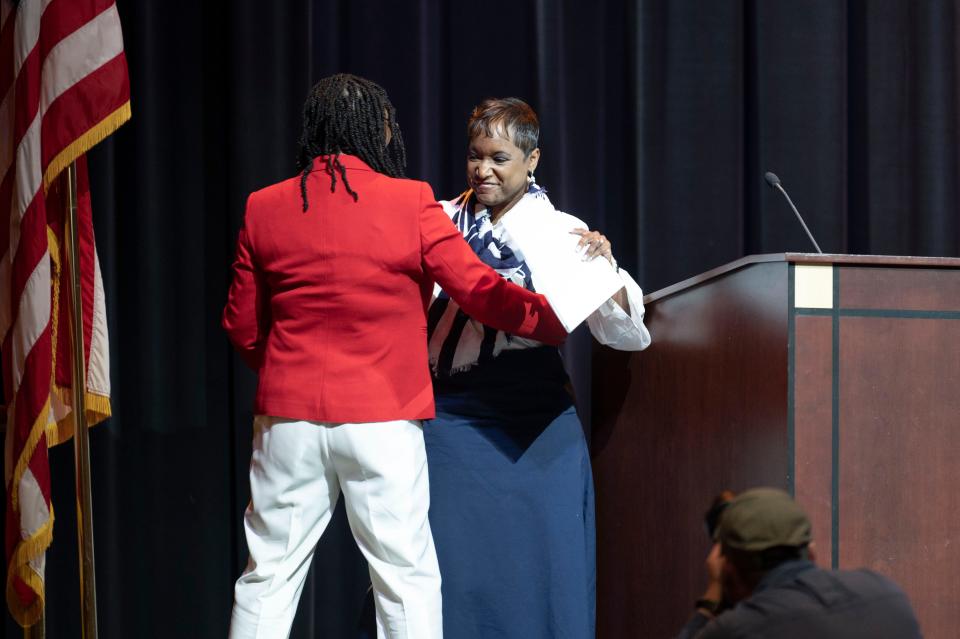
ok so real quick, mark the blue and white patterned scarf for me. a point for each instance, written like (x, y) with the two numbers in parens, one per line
(457, 342)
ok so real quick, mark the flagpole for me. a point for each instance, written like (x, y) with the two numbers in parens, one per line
(81, 442)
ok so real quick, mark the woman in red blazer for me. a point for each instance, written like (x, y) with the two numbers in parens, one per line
(334, 273)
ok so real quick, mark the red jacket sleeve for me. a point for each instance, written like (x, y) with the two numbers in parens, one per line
(477, 288)
(246, 316)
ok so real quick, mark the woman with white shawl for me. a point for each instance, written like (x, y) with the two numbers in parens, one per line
(511, 486)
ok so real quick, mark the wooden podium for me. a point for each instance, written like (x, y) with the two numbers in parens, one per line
(835, 377)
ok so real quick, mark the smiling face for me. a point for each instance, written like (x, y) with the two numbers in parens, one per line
(497, 171)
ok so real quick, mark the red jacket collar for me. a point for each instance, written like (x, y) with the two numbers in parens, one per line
(348, 161)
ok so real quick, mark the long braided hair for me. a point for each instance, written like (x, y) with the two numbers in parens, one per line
(346, 114)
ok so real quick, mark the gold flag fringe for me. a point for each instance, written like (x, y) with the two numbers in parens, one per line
(27, 549)
(85, 142)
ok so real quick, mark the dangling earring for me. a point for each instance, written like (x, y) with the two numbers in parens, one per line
(530, 178)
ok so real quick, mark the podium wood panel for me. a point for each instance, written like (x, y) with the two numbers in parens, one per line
(853, 407)
(900, 459)
(660, 451)
(812, 426)
(924, 289)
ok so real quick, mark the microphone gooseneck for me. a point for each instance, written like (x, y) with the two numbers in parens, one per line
(774, 183)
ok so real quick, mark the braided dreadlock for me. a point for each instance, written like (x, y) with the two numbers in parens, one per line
(346, 114)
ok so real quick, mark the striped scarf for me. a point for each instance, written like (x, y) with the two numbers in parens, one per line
(457, 342)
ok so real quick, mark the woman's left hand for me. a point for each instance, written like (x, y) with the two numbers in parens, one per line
(596, 243)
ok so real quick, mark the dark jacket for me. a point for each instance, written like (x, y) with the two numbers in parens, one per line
(797, 600)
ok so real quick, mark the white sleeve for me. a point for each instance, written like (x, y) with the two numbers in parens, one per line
(450, 208)
(614, 328)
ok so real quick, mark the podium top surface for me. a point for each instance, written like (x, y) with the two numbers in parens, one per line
(805, 258)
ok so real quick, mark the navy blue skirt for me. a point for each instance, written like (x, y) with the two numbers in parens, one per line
(511, 505)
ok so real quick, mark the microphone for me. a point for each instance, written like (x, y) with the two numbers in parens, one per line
(774, 183)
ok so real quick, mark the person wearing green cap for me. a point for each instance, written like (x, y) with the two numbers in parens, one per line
(762, 582)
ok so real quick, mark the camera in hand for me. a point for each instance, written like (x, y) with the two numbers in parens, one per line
(712, 516)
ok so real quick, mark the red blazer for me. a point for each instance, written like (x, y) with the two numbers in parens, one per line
(329, 306)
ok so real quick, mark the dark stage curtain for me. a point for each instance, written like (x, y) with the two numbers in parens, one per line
(658, 121)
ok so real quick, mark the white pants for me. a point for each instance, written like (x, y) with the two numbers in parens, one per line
(297, 471)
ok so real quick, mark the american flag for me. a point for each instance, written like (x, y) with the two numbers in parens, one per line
(63, 88)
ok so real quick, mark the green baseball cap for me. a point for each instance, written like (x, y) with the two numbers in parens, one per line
(763, 518)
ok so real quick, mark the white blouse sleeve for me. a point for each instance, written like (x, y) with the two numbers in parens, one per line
(450, 208)
(614, 328)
